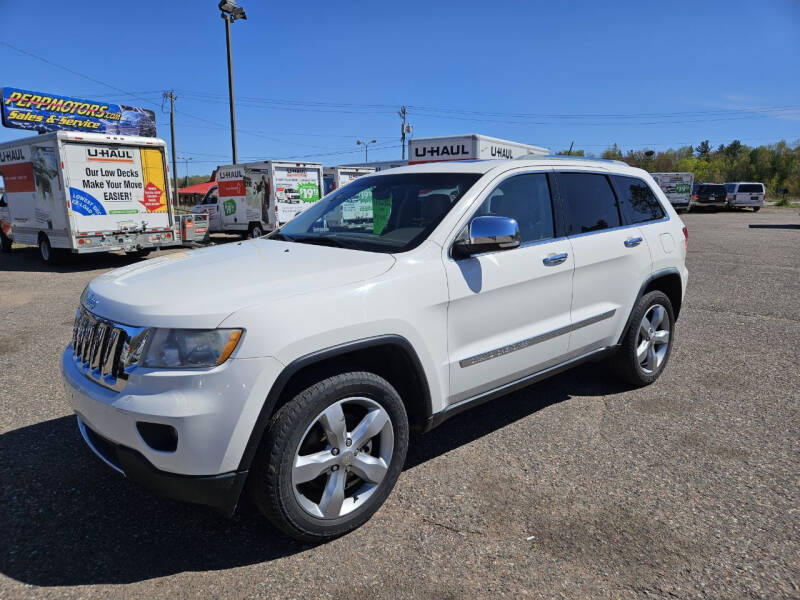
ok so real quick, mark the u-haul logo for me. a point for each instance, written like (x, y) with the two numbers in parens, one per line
(109, 154)
(448, 150)
(12, 155)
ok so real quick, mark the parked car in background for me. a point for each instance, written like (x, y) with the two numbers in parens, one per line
(709, 194)
(301, 360)
(743, 193)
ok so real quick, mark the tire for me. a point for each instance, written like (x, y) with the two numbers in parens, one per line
(255, 231)
(756, 208)
(279, 485)
(5, 243)
(629, 364)
(138, 253)
(46, 251)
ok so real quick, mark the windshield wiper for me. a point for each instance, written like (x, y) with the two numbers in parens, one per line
(325, 240)
(281, 237)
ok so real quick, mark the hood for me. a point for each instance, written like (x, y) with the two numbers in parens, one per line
(199, 288)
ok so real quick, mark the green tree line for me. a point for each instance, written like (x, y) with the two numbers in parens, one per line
(775, 165)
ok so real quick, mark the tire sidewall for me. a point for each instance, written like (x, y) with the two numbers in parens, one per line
(282, 453)
(46, 250)
(646, 303)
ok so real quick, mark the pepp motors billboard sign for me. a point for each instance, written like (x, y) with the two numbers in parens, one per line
(38, 111)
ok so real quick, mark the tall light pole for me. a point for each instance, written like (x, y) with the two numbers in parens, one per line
(366, 148)
(185, 160)
(231, 12)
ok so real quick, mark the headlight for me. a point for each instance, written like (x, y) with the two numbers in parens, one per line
(187, 348)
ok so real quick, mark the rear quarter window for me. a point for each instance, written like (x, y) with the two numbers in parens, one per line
(637, 201)
(751, 188)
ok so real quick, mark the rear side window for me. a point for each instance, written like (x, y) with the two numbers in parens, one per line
(589, 201)
(751, 188)
(636, 200)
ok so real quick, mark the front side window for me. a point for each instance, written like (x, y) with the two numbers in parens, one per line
(380, 213)
(526, 199)
(636, 200)
(590, 204)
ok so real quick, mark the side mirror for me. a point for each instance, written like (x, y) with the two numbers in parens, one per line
(488, 234)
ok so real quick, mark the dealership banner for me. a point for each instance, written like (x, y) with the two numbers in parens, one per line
(38, 111)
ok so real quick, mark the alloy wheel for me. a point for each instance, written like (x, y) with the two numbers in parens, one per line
(652, 342)
(342, 457)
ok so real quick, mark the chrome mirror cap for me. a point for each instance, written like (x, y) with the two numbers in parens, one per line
(488, 234)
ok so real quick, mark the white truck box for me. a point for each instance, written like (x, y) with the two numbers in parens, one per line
(471, 146)
(88, 192)
(677, 187)
(336, 177)
(257, 197)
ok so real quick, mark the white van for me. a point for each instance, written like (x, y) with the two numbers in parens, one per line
(86, 192)
(677, 187)
(254, 198)
(743, 193)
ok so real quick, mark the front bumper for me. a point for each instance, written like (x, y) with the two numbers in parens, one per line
(211, 411)
(217, 491)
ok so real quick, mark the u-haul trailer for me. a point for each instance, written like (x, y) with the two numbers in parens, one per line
(336, 177)
(253, 198)
(471, 146)
(86, 192)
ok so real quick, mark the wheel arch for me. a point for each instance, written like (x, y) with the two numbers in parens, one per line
(665, 280)
(389, 356)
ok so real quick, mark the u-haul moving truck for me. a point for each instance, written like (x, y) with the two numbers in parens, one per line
(471, 146)
(257, 197)
(336, 177)
(677, 187)
(87, 192)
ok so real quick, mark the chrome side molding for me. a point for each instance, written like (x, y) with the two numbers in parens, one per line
(537, 339)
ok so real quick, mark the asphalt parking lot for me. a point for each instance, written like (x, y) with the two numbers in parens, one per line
(575, 487)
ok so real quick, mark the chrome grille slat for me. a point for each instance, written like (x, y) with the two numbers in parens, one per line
(101, 349)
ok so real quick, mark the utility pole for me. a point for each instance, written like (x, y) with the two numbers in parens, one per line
(402, 113)
(172, 97)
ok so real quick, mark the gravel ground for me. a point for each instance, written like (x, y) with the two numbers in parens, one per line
(574, 487)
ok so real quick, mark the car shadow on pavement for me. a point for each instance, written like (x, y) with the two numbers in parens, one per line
(27, 259)
(66, 519)
(774, 226)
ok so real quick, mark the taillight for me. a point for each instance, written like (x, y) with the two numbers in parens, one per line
(686, 237)
(696, 197)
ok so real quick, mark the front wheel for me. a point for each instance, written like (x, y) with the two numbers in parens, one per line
(647, 344)
(331, 456)
(5, 243)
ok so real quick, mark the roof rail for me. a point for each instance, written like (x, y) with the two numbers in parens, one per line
(570, 157)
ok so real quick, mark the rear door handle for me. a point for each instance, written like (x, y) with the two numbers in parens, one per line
(633, 242)
(554, 259)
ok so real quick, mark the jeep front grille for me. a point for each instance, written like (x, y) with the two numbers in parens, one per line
(106, 352)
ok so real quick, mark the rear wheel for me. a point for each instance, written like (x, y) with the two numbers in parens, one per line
(138, 253)
(46, 251)
(646, 347)
(756, 208)
(255, 231)
(331, 456)
(5, 243)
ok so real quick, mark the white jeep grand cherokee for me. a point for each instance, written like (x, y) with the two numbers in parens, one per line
(299, 362)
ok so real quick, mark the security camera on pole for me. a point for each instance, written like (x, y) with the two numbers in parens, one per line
(231, 12)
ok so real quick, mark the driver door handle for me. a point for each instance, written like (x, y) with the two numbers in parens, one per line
(554, 259)
(633, 242)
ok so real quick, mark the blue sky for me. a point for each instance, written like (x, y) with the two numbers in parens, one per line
(312, 77)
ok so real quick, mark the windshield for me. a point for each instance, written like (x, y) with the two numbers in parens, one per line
(386, 213)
